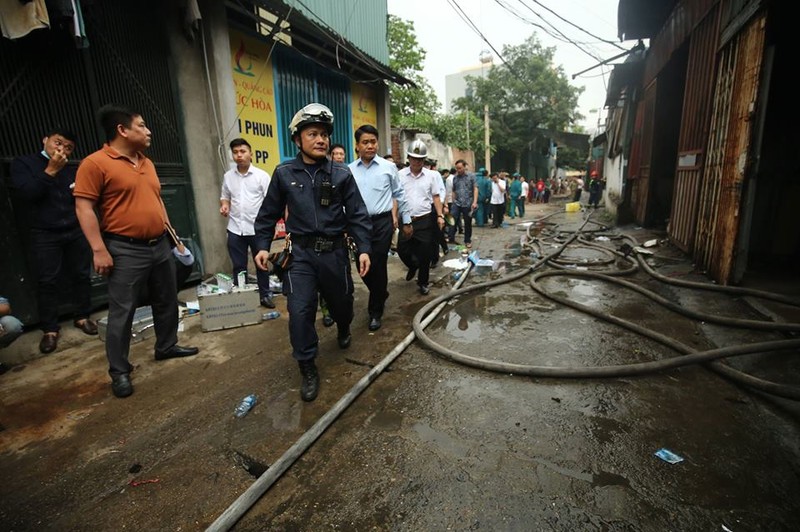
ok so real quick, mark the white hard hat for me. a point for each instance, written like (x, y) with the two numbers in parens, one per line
(313, 113)
(417, 149)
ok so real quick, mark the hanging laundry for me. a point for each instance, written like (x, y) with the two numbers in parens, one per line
(18, 20)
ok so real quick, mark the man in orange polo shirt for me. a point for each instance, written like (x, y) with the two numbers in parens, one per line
(129, 242)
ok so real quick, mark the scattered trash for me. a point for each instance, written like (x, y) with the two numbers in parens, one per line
(643, 251)
(456, 264)
(726, 529)
(245, 406)
(275, 284)
(668, 456)
(574, 206)
(271, 315)
(135, 483)
(651, 243)
(193, 307)
(602, 239)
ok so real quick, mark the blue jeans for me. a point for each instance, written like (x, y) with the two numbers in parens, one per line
(237, 249)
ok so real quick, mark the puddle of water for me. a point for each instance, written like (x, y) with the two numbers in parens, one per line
(442, 441)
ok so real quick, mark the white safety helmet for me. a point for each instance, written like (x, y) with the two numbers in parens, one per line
(417, 149)
(313, 113)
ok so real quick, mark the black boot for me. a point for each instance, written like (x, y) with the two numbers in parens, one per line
(310, 386)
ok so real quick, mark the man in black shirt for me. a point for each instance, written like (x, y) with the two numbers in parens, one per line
(45, 181)
(323, 203)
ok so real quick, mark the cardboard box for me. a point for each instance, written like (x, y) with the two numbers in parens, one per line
(141, 327)
(228, 310)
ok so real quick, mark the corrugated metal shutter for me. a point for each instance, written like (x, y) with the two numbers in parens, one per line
(694, 131)
(300, 81)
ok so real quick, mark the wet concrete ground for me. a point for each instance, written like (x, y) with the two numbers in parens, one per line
(430, 445)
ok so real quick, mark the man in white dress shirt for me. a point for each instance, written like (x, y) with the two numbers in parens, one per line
(243, 190)
(423, 187)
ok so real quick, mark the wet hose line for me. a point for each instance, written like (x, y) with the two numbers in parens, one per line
(246, 500)
(689, 355)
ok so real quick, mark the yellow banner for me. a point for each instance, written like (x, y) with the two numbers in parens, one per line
(365, 109)
(255, 99)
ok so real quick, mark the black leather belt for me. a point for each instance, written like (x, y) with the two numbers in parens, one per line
(318, 243)
(381, 215)
(422, 217)
(135, 241)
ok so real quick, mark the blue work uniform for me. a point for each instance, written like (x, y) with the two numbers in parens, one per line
(484, 195)
(320, 259)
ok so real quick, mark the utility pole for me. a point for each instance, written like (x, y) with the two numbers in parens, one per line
(486, 58)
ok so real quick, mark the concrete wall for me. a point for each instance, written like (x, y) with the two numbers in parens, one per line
(206, 149)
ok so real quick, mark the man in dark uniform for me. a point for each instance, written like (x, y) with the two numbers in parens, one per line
(45, 181)
(323, 203)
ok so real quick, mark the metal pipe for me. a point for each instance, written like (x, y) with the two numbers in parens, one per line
(246, 500)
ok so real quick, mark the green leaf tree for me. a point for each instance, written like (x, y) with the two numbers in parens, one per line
(410, 106)
(525, 94)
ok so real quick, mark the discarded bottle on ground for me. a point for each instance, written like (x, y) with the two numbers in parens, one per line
(271, 315)
(245, 406)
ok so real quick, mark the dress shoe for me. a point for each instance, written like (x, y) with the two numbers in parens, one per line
(344, 338)
(177, 351)
(310, 386)
(88, 326)
(424, 290)
(121, 385)
(374, 324)
(411, 273)
(327, 321)
(268, 302)
(49, 342)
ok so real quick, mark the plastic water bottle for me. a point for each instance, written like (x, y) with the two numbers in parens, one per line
(245, 406)
(271, 315)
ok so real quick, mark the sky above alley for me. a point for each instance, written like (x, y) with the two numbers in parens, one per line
(452, 45)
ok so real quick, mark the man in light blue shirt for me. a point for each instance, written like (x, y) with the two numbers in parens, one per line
(380, 188)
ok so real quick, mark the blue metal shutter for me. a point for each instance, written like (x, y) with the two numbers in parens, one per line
(298, 82)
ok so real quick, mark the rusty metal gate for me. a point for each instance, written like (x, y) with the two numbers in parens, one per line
(643, 138)
(694, 131)
(729, 150)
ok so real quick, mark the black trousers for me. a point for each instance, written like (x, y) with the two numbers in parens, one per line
(238, 245)
(136, 265)
(377, 279)
(498, 211)
(311, 275)
(54, 252)
(415, 252)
